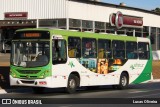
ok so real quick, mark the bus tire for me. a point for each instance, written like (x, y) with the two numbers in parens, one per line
(72, 84)
(123, 83)
(38, 90)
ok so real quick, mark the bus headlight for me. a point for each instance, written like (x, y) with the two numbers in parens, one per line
(14, 75)
(46, 71)
(42, 76)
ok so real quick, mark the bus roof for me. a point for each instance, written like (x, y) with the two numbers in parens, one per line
(85, 34)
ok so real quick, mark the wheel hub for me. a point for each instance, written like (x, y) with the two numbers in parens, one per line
(124, 81)
(72, 83)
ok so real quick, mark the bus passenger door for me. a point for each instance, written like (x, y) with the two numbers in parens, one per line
(59, 54)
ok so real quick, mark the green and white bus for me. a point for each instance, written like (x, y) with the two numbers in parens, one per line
(53, 58)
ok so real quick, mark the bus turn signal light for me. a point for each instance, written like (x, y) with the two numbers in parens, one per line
(42, 83)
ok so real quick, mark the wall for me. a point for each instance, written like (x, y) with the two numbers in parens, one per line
(156, 55)
(41, 9)
(102, 13)
(49, 9)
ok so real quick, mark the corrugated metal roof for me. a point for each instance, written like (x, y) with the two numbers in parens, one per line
(43, 9)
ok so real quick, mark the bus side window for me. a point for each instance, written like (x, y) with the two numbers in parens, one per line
(131, 50)
(104, 48)
(118, 49)
(54, 51)
(143, 50)
(89, 48)
(59, 51)
(74, 47)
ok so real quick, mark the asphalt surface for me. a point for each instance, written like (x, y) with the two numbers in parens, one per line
(56, 96)
(145, 90)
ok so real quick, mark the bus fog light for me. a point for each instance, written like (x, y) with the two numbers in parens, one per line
(36, 83)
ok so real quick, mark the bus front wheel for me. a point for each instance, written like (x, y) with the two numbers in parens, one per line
(72, 84)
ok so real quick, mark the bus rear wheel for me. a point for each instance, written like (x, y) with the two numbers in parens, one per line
(72, 84)
(38, 90)
(123, 83)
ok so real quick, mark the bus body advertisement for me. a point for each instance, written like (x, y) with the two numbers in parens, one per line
(59, 58)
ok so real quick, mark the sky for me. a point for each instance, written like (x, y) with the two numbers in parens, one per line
(143, 4)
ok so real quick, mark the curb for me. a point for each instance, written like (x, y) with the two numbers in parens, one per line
(2, 91)
(152, 81)
(5, 91)
(155, 80)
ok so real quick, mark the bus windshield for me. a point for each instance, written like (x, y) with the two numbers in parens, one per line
(30, 53)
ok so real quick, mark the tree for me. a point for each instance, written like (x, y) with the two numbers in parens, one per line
(157, 10)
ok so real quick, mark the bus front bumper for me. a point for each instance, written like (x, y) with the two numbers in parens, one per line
(31, 82)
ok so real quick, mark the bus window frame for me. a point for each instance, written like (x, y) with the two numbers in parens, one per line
(115, 49)
(148, 51)
(76, 48)
(109, 48)
(83, 47)
(131, 49)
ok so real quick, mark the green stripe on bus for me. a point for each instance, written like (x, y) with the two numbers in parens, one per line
(147, 72)
(145, 75)
(93, 35)
(84, 34)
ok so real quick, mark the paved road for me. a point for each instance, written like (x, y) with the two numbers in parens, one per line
(146, 91)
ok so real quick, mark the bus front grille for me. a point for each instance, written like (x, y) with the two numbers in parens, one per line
(27, 82)
(24, 77)
(28, 71)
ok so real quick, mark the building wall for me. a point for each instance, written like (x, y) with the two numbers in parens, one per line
(101, 13)
(50, 9)
(37, 9)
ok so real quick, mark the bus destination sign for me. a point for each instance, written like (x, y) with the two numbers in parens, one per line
(32, 35)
